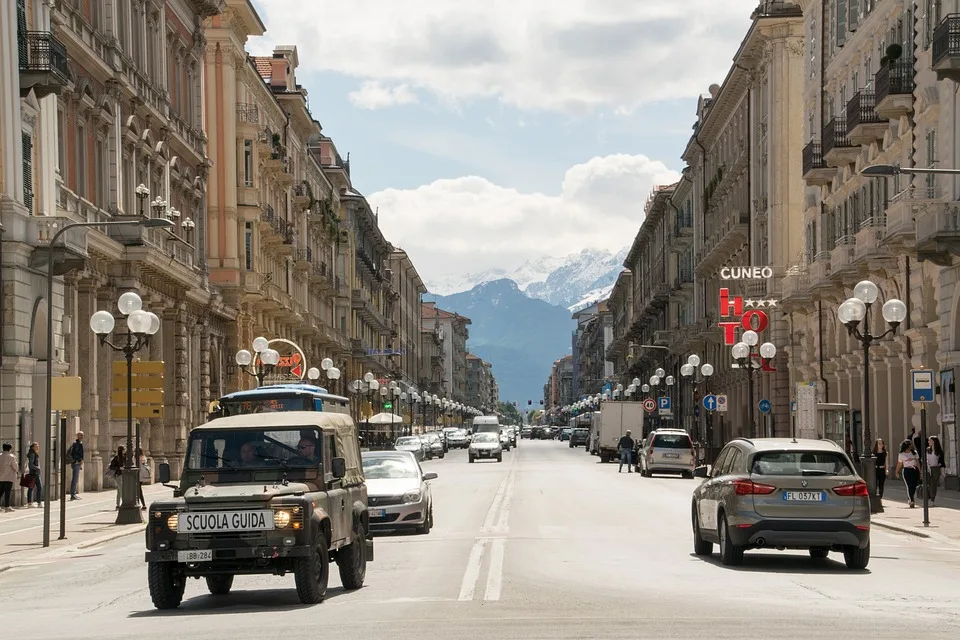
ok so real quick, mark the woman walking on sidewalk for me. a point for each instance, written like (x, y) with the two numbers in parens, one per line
(9, 474)
(144, 476)
(34, 493)
(116, 466)
(935, 464)
(908, 465)
(880, 454)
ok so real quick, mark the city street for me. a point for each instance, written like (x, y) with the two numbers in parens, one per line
(547, 544)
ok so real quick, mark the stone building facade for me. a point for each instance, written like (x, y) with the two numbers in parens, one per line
(408, 290)
(453, 332)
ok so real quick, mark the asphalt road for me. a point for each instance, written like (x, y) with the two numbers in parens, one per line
(546, 544)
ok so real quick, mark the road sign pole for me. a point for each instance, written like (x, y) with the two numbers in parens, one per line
(923, 465)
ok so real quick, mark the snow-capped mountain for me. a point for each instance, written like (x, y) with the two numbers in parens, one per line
(572, 281)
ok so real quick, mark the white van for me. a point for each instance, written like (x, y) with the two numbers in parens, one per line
(486, 424)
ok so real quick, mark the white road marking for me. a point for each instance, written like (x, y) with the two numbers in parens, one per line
(495, 506)
(495, 576)
(472, 574)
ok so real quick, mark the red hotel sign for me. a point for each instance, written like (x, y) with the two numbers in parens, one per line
(751, 319)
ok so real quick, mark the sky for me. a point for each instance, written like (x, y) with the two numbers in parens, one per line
(491, 132)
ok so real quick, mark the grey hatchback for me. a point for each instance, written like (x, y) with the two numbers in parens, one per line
(785, 494)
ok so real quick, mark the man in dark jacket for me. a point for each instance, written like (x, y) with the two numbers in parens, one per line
(75, 455)
(626, 446)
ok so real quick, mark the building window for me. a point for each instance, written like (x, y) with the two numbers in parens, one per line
(81, 185)
(100, 171)
(61, 141)
(248, 163)
(248, 246)
(931, 178)
(27, 141)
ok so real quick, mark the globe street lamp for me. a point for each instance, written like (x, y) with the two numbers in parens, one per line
(689, 371)
(744, 353)
(140, 326)
(851, 313)
(263, 359)
(333, 373)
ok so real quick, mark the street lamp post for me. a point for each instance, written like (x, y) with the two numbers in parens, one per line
(743, 352)
(142, 222)
(140, 326)
(263, 359)
(689, 371)
(333, 373)
(851, 313)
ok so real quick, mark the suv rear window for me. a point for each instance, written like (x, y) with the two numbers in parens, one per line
(672, 441)
(800, 463)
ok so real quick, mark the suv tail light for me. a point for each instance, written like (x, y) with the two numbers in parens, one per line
(749, 488)
(856, 490)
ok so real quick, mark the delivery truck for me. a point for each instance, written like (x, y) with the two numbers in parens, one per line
(616, 418)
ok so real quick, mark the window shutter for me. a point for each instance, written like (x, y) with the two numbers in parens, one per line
(22, 32)
(841, 22)
(854, 14)
(27, 170)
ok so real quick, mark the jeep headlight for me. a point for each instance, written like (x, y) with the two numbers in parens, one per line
(412, 496)
(281, 519)
(173, 521)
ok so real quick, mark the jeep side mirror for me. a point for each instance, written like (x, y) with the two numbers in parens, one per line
(339, 468)
(700, 472)
(163, 473)
(430, 476)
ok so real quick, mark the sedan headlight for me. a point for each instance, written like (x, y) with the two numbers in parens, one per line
(412, 496)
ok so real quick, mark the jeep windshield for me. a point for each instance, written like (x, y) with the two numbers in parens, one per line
(253, 449)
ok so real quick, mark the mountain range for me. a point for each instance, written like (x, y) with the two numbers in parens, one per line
(521, 319)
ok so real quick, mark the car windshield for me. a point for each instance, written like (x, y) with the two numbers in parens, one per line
(672, 441)
(408, 441)
(581, 431)
(486, 437)
(801, 463)
(253, 448)
(388, 467)
(430, 437)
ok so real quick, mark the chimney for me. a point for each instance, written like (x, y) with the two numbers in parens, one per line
(278, 75)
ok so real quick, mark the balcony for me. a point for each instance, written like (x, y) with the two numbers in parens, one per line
(894, 94)
(837, 149)
(729, 235)
(938, 233)
(900, 231)
(815, 170)
(820, 273)
(843, 269)
(302, 259)
(44, 65)
(864, 124)
(868, 246)
(682, 231)
(70, 252)
(946, 48)
(365, 307)
(321, 277)
(796, 289)
(661, 293)
(302, 196)
(248, 119)
(664, 338)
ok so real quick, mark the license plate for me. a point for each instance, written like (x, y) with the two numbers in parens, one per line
(675, 456)
(377, 513)
(219, 521)
(195, 555)
(803, 496)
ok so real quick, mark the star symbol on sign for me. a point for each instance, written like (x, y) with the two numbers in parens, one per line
(771, 303)
(761, 303)
(748, 303)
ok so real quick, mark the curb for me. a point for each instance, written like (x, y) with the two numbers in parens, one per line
(109, 537)
(886, 524)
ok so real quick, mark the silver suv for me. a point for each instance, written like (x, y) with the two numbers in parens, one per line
(784, 494)
(666, 451)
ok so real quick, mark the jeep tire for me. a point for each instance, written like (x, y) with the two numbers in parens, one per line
(166, 583)
(352, 561)
(312, 572)
(219, 585)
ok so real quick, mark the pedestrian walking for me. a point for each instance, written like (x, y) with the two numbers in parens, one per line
(117, 463)
(908, 467)
(144, 472)
(626, 446)
(935, 465)
(880, 457)
(9, 474)
(75, 455)
(34, 493)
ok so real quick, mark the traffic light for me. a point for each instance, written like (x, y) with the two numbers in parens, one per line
(529, 402)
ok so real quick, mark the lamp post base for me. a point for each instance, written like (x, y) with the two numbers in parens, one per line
(868, 471)
(129, 512)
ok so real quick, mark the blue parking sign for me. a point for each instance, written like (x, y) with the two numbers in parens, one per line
(664, 403)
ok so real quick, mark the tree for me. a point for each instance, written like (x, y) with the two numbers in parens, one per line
(511, 413)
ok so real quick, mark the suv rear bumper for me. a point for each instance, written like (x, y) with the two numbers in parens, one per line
(801, 534)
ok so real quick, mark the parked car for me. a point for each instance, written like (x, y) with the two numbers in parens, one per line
(504, 440)
(579, 436)
(414, 445)
(526, 432)
(565, 434)
(667, 451)
(784, 494)
(485, 446)
(512, 432)
(398, 492)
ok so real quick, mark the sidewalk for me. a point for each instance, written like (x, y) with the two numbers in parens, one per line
(90, 522)
(897, 515)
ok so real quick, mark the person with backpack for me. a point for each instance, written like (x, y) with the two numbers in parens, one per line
(75, 456)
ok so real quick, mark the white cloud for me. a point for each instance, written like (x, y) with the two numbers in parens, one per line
(573, 56)
(374, 95)
(467, 225)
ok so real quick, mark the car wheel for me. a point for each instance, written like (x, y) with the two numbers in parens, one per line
(500, 458)
(471, 458)
(352, 561)
(312, 572)
(687, 474)
(855, 557)
(219, 585)
(441, 455)
(730, 554)
(819, 553)
(166, 583)
(701, 547)
(427, 523)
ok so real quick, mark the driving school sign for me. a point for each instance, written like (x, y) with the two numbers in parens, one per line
(292, 366)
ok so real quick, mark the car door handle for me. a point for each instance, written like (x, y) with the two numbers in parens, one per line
(343, 503)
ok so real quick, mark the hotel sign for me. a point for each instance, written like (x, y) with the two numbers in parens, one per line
(744, 315)
(746, 273)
